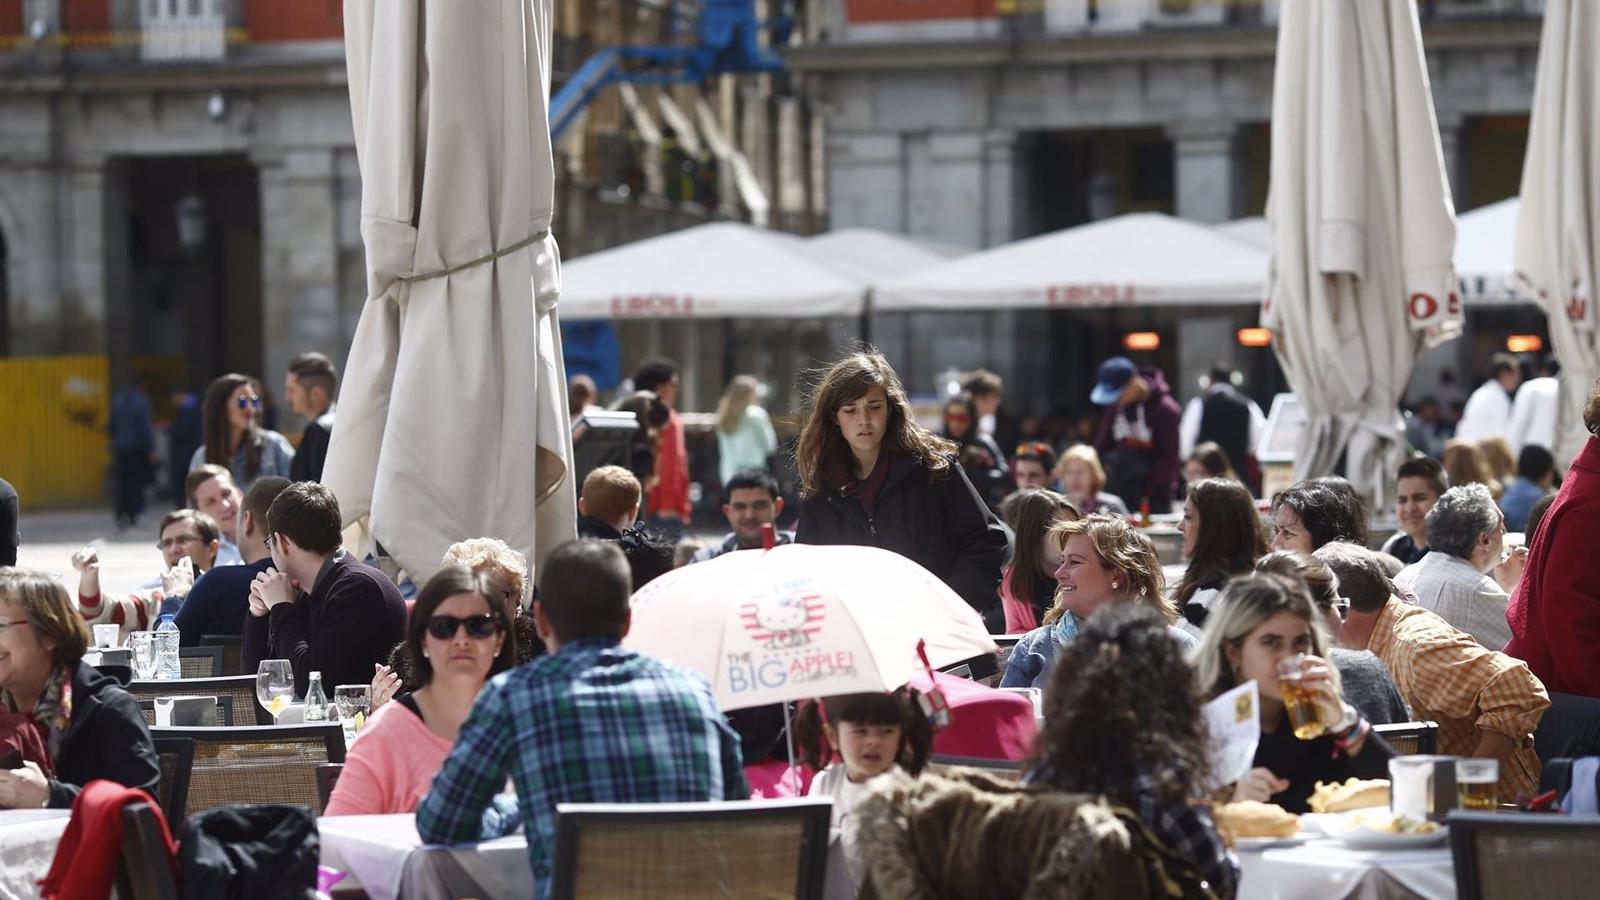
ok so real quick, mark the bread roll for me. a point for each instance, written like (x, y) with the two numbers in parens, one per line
(1251, 819)
(1353, 794)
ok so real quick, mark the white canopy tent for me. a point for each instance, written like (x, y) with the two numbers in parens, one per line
(867, 254)
(452, 416)
(709, 271)
(1485, 244)
(1251, 230)
(1363, 230)
(1558, 230)
(1146, 259)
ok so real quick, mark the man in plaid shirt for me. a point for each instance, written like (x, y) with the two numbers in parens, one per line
(1487, 704)
(590, 722)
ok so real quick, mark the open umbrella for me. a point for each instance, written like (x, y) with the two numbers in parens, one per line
(452, 417)
(1558, 231)
(1362, 229)
(800, 621)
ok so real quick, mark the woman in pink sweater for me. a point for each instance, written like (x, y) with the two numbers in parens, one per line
(459, 636)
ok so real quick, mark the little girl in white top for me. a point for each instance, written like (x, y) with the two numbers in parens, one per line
(855, 738)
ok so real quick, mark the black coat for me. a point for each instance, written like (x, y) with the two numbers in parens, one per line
(939, 523)
(107, 738)
(313, 449)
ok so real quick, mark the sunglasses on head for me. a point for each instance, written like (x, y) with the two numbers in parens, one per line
(478, 627)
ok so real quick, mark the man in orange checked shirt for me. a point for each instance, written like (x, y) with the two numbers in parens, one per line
(667, 505)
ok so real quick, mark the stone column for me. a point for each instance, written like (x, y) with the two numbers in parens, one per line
(866, 186)
(83, 298)
(1203, 153)
(299, 259)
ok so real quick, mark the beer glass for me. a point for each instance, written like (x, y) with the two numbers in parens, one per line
(1475, 784)
(1298, 703)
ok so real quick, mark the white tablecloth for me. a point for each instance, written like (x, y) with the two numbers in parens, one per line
(388, 858)
(28, 839)
(1327, 870)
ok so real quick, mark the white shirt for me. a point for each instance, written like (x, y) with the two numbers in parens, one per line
(1194, 411)
(1533, 415)
(833, 782)
(1486, 413)
(1461, 595)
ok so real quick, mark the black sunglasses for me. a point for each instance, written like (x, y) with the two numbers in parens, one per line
(478, 627)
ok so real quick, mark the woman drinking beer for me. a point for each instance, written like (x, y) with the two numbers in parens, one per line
(1265, 629)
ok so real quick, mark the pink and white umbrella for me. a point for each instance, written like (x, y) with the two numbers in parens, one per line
(800, 621)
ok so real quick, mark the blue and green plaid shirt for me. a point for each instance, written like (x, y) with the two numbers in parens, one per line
(591, 723)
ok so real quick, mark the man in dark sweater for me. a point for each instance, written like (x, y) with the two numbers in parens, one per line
(317, 606)
(219, 599)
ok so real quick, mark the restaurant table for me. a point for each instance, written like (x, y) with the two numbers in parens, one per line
(387, 857)
(1325, 869)
(28, 839)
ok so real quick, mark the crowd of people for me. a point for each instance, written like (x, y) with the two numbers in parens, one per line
(490, 674)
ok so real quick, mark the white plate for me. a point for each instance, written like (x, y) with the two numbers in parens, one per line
(1363, 838)
(1254, 844)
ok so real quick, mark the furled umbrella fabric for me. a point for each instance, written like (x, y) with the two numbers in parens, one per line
(452, 419)
(1362, 229)
(1558, 231)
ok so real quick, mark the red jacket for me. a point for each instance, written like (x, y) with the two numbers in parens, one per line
(90, 851)
(1555, 612)
(670, 496)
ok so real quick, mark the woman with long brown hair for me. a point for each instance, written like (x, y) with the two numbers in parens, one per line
(1028, 585)
(233, 439)
(870, 475)
(1222, 537)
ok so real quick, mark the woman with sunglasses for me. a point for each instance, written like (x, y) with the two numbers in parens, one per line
(460, 635)
(232, 437)
(1364, 680)
(979, 455)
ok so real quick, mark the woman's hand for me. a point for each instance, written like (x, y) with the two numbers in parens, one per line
(385, 683)
(85, 558)
(1317, 678)
(24, 788)
(1259, 786)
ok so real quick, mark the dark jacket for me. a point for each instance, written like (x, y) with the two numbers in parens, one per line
(596, 530)
(313, 449)
(939, 523)
(1134, 469)
(106, 738)
(351, 619)
(10, 535)
(218, 602)
(730, 544)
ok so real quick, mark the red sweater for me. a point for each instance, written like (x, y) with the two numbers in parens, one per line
(86, 860)
(670, 496)
(1555, 612)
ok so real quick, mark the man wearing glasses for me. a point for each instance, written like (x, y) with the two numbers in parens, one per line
(317, 606)
(188, 541)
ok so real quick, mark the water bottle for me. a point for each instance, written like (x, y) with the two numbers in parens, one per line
(316, 700)
(167, 665)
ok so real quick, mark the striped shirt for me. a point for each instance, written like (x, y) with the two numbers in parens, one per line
(591, 723)
(1449, 678)
(1461, 595)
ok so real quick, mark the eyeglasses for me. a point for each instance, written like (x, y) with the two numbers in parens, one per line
(478, 627)
(1340, 606)
(177, 541)
(249, 402)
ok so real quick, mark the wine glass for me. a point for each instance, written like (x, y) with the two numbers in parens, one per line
(275, 686)
(352, 700)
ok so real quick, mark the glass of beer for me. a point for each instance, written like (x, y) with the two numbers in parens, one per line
(1475, 784)
(1304, 716)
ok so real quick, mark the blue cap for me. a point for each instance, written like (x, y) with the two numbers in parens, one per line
(1114, 375)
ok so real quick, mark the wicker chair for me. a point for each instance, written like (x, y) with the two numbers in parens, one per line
(327, 779)
(1507, 856)
(146, 870)
(232, 651)
(744, 848)
(1406, 738)
(200, 662)
(176, 756)
(1009, 769)
(241, 689)
(260, 764)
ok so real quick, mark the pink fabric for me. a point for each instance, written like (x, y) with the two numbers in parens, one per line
(985, 722)
(390, 765)
(773, 779)
(1019, 614)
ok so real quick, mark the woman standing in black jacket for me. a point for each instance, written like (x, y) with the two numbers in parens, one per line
(869, 474)
(91, 727)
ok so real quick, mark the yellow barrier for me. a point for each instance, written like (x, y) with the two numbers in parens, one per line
(53, 443)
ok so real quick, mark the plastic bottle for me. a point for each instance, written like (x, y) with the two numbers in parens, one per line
(316, 700)
(168, 666)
